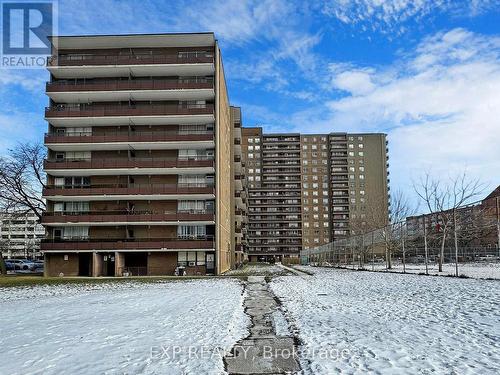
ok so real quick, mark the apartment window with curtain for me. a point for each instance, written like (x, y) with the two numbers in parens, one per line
(191, 231)
(75, 232)
(196, 206)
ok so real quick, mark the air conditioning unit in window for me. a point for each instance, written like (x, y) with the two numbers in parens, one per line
(192, 264)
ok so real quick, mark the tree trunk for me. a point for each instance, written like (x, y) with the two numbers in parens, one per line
(441, 255)
(3, 267)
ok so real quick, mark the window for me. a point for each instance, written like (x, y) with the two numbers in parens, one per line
(191, 231)
(193, 206)
(73, 232)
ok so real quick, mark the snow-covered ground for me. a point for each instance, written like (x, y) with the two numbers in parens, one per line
(121, 328)
(366, 322)
(474, 270)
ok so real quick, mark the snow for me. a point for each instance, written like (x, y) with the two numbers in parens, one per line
(357, 322)
(474, 270)
(121, 328)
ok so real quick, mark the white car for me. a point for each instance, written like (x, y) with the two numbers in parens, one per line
(22, 264)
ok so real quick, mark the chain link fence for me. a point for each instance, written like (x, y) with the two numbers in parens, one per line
(419, 244)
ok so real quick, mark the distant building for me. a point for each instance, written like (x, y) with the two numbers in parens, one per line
(21, 235)
(477, 223)
(308, 190)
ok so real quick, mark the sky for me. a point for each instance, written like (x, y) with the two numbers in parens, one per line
(426, 72)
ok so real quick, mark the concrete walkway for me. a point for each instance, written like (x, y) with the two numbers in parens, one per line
(263, 351)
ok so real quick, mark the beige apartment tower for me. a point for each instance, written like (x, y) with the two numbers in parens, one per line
(141, 157)
(308, 190)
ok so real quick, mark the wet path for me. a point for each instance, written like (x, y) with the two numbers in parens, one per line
(263, 351)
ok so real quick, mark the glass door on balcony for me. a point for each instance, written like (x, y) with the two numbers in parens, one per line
(191, 231)
(210, 263)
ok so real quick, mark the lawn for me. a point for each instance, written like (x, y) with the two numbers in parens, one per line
(126, 327)
(369, 322)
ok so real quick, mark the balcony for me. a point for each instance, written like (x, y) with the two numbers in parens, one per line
(138, 114)
(124, 191)
(83, 167)
(88, 141)
(104, 90)
(193, 57)
(105, 244)
(124, 217)
(192, 63)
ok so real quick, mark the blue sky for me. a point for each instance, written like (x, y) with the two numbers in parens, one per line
(427, 72)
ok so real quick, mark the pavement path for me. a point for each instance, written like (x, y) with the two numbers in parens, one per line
(263, 351)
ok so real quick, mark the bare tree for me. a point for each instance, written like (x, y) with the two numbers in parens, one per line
(22, 179)
(442, 201)
(387, 222)
(21, 182)
(393, 233)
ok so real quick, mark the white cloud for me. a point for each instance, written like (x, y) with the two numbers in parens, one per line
(388, 16)
(439, 105)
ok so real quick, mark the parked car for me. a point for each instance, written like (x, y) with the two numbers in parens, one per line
(38, 264)
(8, 265)
(488, 258)
(21, 264)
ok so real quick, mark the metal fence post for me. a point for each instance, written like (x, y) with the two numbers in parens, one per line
(456, 240)
(425, 248)
(403, 247)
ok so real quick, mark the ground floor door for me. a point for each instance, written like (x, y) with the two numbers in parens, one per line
(108, 266)
(210, 262)
(84, 264)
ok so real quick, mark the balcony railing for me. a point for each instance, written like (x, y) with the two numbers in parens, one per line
(136, 59)
(129, 189)
(134, 84)
(136, 136)
(89, 110)
(83, 243)
(79, 163)
(124, 215)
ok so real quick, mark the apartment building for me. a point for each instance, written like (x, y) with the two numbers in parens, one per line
(478, 224)
(359, 182)
(308, 190)
(20, 235)
(240, 191)
(141, 157)
(274, 207)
